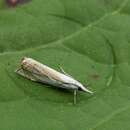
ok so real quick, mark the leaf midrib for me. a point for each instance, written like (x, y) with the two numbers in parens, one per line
(59, 41)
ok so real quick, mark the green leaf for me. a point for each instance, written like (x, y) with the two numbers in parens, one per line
(90, 40)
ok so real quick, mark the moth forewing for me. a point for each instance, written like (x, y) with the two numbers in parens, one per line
(38, 72)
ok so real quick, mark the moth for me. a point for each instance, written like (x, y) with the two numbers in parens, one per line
(38, 72)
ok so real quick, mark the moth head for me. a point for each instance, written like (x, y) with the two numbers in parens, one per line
(82, 87)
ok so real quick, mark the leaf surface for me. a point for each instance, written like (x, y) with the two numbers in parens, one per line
(90, 40)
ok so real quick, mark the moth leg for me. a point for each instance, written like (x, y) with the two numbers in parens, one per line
(25, 74)
(75, 96)
(62, 70)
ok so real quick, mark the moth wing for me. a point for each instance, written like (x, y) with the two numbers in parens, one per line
(46, 79)
(25, 74)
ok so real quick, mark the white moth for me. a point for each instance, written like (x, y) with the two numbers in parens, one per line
(38, 72)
